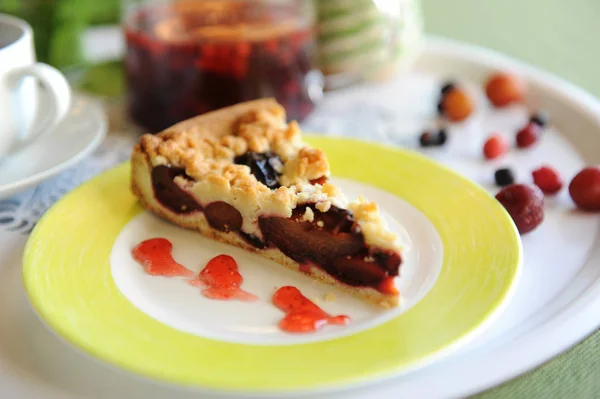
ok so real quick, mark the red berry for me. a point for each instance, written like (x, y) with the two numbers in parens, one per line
(524, 204)
(495, 146)
(585, 189)
(503, 89)
(547, 179)
(527, 136)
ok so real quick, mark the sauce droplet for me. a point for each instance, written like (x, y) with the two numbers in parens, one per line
(155, 256)
(302, 315)
(222, 280)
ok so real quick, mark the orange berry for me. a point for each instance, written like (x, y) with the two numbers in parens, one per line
(503, 89)
(457, 105)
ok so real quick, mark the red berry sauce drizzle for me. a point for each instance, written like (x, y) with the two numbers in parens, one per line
(155, 256)
(222, 280)
(302, 315)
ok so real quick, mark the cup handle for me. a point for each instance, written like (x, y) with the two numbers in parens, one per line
(57, 87)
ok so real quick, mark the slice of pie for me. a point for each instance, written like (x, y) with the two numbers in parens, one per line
(242, 176)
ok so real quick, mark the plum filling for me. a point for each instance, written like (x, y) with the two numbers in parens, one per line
(224, 217)
(307, 242)
(169, 194)
(265, 166)
(331, 241)
(253, 240)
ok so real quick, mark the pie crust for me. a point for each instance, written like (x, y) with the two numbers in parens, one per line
(188, 172)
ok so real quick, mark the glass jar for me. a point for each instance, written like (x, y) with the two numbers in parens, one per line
(188, 57)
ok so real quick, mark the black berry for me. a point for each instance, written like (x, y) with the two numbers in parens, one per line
(446, 87)
(440, 107)
(264, 166)
(504, 177)
(442, 136)
(429, 139)
(540, 118)
(426, 139)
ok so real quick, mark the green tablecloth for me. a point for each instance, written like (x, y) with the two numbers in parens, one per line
(561, 36)
(573, 375)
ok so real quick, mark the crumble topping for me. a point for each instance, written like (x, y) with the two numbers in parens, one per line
(373, 226)
(323, 196)
(308, 164)
(209, 161)
(309, 215)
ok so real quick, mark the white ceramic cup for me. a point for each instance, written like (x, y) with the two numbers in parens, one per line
(20, 80)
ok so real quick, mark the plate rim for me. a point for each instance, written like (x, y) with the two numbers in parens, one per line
(431, 357)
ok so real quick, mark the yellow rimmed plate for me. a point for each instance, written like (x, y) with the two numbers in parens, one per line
(67, 276)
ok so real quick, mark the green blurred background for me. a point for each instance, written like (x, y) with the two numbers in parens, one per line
(59, 24)
(558, 35)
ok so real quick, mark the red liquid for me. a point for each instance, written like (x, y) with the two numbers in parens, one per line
(222, 280)
(155, 255)
(191, 57)
(302, 315)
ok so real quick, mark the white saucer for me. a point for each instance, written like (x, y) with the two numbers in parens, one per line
(72, 140)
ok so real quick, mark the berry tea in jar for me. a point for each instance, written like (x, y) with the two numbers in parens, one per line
(188, 57)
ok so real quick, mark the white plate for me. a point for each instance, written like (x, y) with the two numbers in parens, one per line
(73, 139)
(556, 304)
(168, 299)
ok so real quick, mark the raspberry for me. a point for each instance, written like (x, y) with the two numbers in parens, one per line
(527, 136)
(494, 146)
(457, 105)
(524, 204)
(585, 189)
(547, 179)
(503, 89)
